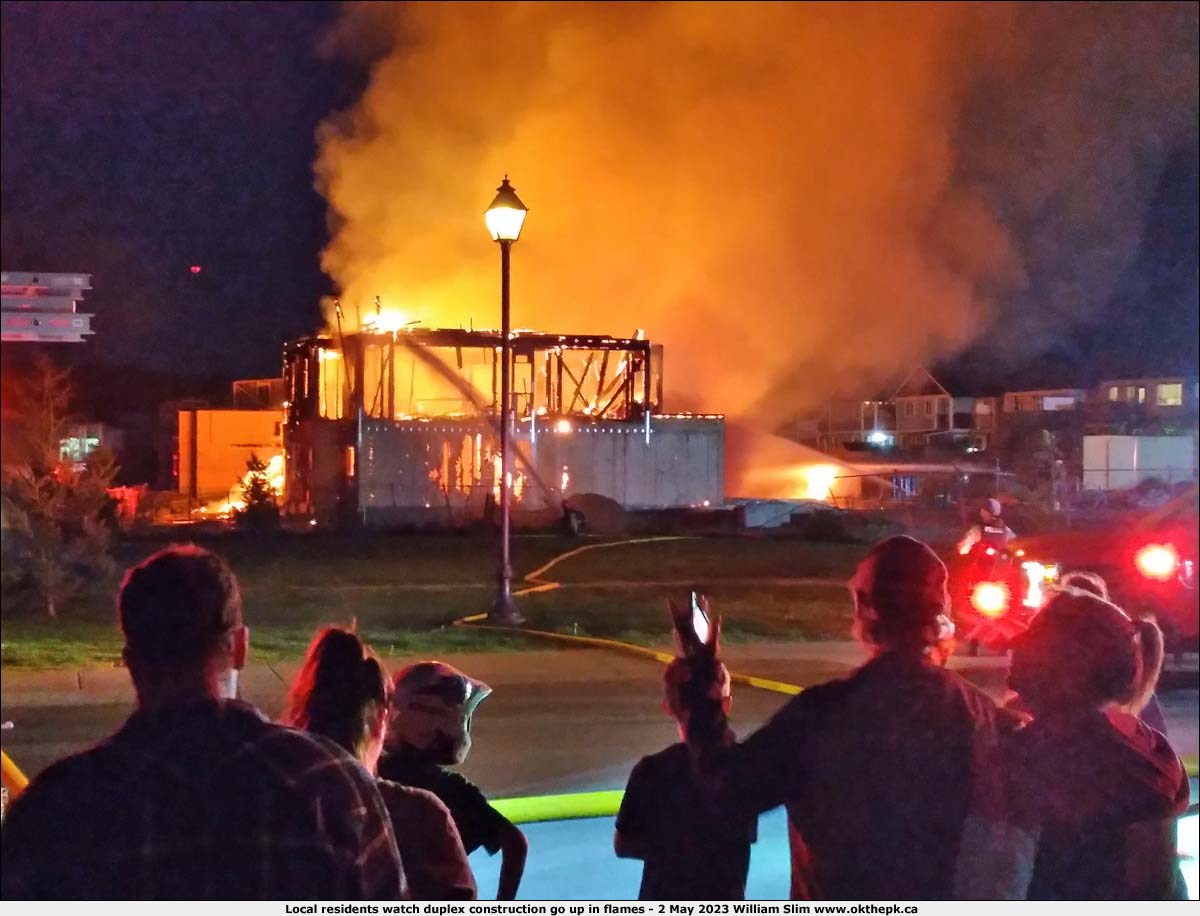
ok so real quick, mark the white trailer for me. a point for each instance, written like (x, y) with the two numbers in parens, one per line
(1123, 462)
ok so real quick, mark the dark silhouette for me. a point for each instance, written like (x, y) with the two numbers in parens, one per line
(671, 818)
(429, 730)
(198, 796)
(341, 692)
(876, 768)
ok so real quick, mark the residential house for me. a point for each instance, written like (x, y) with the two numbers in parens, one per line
(1143, 406)
(1043, 400)
(847, 423)
(927, 413)
(1158, 397)
(258, 394)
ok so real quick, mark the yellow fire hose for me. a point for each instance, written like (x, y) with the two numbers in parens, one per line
(14, 780)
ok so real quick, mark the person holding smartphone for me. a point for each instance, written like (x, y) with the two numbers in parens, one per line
(671, 817)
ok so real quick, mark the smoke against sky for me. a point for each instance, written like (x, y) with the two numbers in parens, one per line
(796, 199)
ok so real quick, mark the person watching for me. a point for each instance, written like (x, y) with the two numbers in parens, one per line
(198, 796)
(1089, 792)
(341, 692)
(876, 768)
(429, 731)
(691, 847)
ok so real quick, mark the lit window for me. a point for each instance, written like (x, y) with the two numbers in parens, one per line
(1169, 395)
(1114, 393)
(1142, 394)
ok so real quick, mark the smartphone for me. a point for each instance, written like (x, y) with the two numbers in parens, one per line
(699, 619)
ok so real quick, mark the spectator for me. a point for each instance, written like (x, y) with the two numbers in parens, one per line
(341, 693)
(1084, 581)
(198, 796)
(876, 768)
(1093, 790)
(692, 849)
(429, 730)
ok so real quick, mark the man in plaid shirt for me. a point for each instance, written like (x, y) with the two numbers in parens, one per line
(198, 795)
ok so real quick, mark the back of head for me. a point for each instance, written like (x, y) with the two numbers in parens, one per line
(1084, 581)
(900, 596)
(697, 692)
(175, 607)
(993, 508)
(339, 690)
(1082, 652)
(430, 711)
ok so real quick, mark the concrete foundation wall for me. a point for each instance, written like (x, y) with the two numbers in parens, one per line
(444, 470)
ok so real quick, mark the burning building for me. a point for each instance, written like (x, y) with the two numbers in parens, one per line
(399, 426)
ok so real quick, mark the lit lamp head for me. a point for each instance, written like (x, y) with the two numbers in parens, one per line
(506, 214)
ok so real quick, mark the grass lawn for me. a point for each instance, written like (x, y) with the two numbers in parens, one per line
(710, 559)
(404, 591)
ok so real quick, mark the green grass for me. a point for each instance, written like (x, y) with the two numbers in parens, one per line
(711, 559)
(294, 584)
(639, 616)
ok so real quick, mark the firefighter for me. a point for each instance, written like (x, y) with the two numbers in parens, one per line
(989, 531)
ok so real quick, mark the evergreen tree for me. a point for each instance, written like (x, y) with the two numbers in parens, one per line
(260, 510)
(56, 541)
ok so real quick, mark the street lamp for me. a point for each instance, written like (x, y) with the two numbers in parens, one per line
(504, 219)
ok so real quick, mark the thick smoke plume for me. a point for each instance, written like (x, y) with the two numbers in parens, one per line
(798, 200)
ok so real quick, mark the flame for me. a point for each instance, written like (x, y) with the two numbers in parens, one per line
(819, 480)
(388, 320)
(773, 242)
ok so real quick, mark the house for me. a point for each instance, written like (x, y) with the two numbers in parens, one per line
(1159, 397)
(844, 423)
(1043, 400)
(927, 413)
(258, 394)
(1142, 406)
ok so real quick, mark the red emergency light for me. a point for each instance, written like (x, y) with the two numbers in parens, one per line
(1158, 561)
(990, 598)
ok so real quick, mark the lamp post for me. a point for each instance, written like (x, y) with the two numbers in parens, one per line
(504, 219)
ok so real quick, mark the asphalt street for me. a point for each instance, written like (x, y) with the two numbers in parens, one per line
(558, 721)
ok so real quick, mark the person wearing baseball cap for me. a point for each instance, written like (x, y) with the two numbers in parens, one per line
(876, 768)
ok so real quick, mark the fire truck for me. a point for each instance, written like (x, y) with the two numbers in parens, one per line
(1148, 561)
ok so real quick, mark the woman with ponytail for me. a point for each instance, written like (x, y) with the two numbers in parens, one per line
(341, 693)
(1094, 790)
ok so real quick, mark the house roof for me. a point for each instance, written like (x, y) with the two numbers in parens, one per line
(920, 383)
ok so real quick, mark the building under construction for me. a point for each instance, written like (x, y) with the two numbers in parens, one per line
(401, 427)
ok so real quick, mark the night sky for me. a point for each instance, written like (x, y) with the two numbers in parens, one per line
(140, 139)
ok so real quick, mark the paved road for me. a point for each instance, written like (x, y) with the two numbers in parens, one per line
(558, 720)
